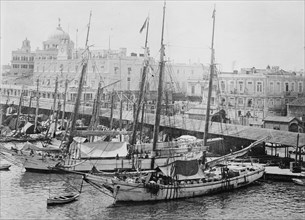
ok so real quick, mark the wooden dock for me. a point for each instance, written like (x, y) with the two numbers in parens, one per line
(182, 122)
(276, 173)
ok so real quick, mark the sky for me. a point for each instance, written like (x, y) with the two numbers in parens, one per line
(247, 33)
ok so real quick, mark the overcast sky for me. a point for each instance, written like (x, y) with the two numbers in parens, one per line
(247, 34)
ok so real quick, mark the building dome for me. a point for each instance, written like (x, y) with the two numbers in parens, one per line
(59, 34)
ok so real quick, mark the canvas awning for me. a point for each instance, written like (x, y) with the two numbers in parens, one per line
(103, 149)
(183, 170)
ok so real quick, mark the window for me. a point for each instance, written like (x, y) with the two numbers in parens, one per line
(231, 86)
(278, 87)
(202, 89)
(128, 83)
(250, 87)
(193, 90)
(240, 101)
(241, 86)
(276, 127)
(259, 87)
(271, 87)
(129, 70)
(292, 87)
(212, 101)
(286, 86)
(259, 102)
(231, 102)
(223, 102)
(116, 69)
(223, 86)
(271, 103)
(249, 103)
(300, 87)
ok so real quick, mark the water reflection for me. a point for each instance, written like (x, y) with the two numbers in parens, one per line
(24, 195)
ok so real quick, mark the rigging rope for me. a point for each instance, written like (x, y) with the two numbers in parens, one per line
(98, 187)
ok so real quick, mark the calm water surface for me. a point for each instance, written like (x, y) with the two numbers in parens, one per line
(23, 195)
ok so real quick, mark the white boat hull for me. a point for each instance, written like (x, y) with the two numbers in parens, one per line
(37, 164)
(136, 192)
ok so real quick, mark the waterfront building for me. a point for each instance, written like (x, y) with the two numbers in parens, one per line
(59, 59)
(252, 94)
(296, 108)
(283, 123)
(259, 93)
(22, 66)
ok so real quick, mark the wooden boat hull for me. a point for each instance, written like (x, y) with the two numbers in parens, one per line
(137, 192)
(62, 199)
(37, 164)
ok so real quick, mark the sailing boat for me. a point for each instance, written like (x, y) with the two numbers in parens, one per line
(109, 156)
(181, 178)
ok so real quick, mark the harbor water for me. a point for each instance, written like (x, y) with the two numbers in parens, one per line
(23, 195)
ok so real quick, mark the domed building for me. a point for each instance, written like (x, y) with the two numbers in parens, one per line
(57, 37)
(57, 46)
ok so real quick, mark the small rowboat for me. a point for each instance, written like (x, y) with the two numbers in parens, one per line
(299, 181)
(4, 166)
(62, 199)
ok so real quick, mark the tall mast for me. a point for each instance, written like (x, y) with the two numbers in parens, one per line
(212, 66)
(55, 97)
(64, 104)
(19, 110)
(37, 107)
(56, 119)
(111, 110)
(80, 87)
(30, 104)
(142, 85)
(95, 108)
(159, 97)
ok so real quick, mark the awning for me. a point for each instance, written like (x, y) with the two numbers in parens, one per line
(103, 149)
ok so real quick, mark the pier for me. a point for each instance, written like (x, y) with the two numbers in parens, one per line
(177, 123)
